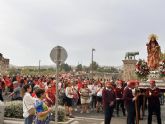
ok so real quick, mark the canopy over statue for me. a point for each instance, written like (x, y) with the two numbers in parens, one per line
(154, 52)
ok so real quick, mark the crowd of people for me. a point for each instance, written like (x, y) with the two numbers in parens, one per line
(78, 93)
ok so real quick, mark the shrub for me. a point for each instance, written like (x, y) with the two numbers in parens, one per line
(61, 114)
(14, 109)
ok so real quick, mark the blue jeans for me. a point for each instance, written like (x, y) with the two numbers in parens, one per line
(29, 120)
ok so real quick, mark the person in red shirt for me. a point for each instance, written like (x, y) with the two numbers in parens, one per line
(8, 83)
(50, 95)
(119, 97)
(153, 102)
(79, 84)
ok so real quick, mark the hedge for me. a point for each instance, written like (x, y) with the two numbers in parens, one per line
(14, 109)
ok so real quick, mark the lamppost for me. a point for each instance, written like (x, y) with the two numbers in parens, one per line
(39, 66)
(92, 64)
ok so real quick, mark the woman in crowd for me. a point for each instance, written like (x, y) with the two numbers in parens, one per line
(43, 111)
(85, 98)
(69, 99)
(50, 95)
(75, 95)
(28, 104)
(99, 97)
(16, 94)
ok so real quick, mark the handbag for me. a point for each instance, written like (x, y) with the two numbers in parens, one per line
(31, 111)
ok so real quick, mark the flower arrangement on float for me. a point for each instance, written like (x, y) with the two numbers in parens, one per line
(162, 68)
(142, 69)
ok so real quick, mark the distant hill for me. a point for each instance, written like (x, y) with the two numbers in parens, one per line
(53, 66)
(32, 67)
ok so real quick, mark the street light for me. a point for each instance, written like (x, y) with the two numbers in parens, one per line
(39, 66)
(92, 63)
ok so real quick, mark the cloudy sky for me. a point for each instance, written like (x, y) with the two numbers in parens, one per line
(29, 29)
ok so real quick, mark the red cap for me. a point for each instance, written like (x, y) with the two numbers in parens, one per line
(131, 82)
(137, 82)
(109, 82)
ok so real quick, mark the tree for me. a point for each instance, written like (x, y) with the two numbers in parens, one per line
(86, 69)
(114, 70)
(79, 67)
(95, 66)
(163, 56)
(108, 70)
(66, 67)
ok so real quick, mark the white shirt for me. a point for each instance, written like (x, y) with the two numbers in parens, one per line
(93, 88)
(28, 103)
(99, 93)
(68, 92)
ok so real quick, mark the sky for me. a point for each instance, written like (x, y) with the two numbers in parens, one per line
(29, 29)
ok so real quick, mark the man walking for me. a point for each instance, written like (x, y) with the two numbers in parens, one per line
(153, 102)
(119, 97)
(108, 97)
(129, 100)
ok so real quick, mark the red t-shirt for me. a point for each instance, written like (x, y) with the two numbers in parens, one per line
(80, 85)
(7, 82)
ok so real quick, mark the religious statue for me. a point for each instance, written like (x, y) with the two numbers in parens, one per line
(154, 53)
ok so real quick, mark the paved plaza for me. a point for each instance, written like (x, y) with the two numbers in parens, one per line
(97, 118)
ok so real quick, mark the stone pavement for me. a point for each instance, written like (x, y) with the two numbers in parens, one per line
(115, 120)
(98, 118)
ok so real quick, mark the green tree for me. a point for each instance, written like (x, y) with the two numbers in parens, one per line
(108, 70)
(79, 67)
(95, 66)
(114, 70)
(14, 71)
(65, 67)
(163, 56)
(86, 69)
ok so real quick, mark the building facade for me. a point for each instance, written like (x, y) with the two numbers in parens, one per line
(129, 70)
(4, 64)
